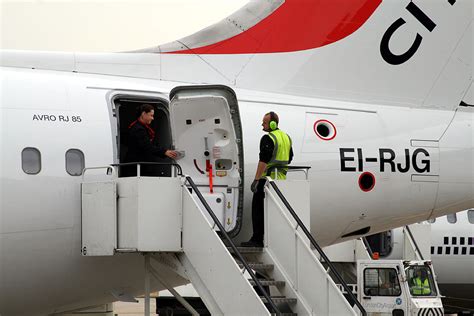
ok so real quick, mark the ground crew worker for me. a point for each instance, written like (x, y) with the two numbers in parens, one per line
(275, 155)
(421, 284)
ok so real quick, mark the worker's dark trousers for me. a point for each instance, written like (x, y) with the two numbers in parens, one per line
(257, 212)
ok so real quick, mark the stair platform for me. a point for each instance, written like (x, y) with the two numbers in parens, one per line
(258, 266)
(246, 250)
(280, 299)
(269, 283)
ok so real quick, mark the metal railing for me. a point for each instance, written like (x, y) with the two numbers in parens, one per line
(233, 246)
(179, 170)
(317, 247)
(303, 169)
(113, 169)
(367, 247)
(417, 249)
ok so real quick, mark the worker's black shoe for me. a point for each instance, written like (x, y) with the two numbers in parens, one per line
(252, 243)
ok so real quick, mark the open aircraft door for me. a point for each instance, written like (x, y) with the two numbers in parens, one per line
(206, 131)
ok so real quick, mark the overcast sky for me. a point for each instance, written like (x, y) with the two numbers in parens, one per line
(105, 25)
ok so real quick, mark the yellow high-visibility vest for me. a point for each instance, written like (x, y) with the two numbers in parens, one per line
(421, 287)
(281, 155)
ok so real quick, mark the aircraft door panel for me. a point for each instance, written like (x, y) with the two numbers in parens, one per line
(456, 178)
(321, 131)
(206, 132)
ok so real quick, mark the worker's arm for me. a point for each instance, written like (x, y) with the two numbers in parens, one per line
(266, 150)
(260, 170)
(265, 155)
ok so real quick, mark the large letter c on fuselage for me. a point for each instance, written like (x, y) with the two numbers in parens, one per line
(390, 57)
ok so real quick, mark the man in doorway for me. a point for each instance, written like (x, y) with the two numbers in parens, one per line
(276, 153)
(142, 146)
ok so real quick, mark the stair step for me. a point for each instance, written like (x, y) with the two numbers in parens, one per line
(246, 249)
(268, 282)
(279, 299)
(258, 266)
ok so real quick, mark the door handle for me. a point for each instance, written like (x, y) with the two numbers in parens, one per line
(367, 298)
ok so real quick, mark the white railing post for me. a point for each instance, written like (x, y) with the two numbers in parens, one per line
(147, 285)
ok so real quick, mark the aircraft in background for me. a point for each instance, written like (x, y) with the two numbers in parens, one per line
(452, 253)
(451, 243)
(376, 95)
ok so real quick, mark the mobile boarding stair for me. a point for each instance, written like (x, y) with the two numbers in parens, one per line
(182, 237)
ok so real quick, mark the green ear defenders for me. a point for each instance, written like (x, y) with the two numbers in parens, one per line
(273, 121)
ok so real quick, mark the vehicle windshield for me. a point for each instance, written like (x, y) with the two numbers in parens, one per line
(420, 280)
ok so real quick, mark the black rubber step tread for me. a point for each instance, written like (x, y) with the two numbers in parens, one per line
(258, 266)
(246, 249)
(268, 282)
(279, 299)
(285, 314)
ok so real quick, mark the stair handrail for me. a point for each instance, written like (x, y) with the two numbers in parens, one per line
(316, 246)
(367, 247)
(286, 168)
(232, 245)
(412, 239)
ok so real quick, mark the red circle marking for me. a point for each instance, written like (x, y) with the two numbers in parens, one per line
(325, 121)
(373, 180)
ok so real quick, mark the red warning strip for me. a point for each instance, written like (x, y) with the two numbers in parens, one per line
(296, 25)
(211, 185)
(209, 169)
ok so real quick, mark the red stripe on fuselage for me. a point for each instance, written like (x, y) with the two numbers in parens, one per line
(296, 25)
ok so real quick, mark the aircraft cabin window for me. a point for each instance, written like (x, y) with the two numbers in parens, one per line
(74, 162)
(452, 218)
(470, 216)
(31, 160)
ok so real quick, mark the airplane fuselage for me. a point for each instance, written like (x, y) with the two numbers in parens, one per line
(417, 167)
